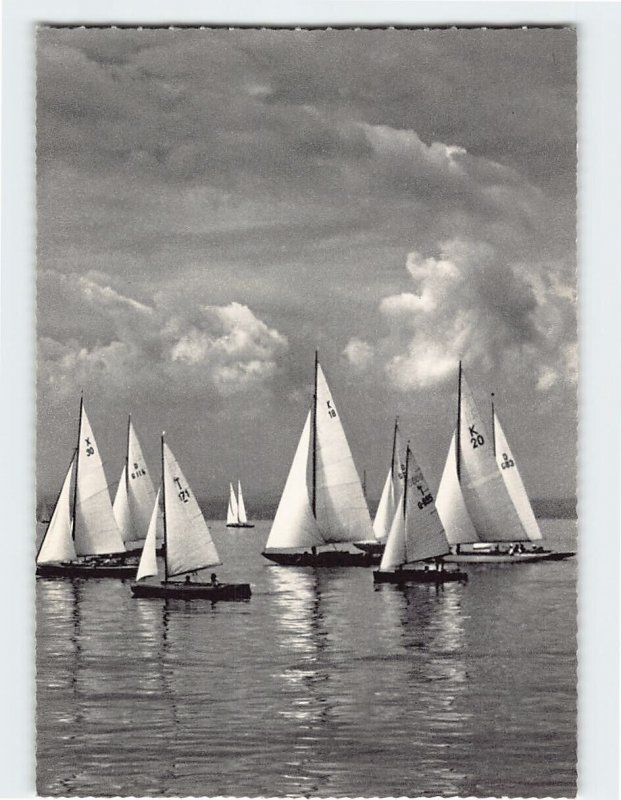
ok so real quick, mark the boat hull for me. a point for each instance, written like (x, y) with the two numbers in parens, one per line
(240, 525)
(505, 558)
(192, 591)
(331, 558)
(77, 570)
(375, 548)
(419, 576)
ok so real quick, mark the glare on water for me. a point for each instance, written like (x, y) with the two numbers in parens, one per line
(320, 684)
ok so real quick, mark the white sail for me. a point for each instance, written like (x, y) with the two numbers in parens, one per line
(95, 529)
(450, 504)
(416, 532)
(486, 497)
(148, 559)
(294, 524)
(140, 490)
(120, 507)
(232, 511)
(513, 481)
(58, 544)
(391, 495)
(189, 546)
(341, 510)
(241, 508)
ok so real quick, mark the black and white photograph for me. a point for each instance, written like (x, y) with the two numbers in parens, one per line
(306, 411)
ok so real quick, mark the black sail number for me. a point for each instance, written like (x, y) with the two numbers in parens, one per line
(331, 410)
(476, 440)
(183, 494)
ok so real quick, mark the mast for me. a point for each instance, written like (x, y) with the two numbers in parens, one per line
(493, 426)
(164, 512)
(364, 483)
(394, 448)
(314, 479)
(77, 464)
(129, 424)
(405, 494)
(458, 429)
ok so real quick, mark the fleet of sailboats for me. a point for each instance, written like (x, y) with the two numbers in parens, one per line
(188, 549)
(322, 504)
(236, 512)
(482, 513)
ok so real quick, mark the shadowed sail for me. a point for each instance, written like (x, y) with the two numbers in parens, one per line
(57, 544)
(148, 559)
(232, 512)
(135, 494)
(391, 494)
(322, 502)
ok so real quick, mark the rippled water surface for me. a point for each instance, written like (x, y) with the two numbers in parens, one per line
(320, 684)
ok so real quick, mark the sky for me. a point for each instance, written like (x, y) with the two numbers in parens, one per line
(213, 205)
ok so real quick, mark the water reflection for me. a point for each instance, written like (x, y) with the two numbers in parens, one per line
(297, 595)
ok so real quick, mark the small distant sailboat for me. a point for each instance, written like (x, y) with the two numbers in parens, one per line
(188, 549)
(44, 515)
(135, 495)
(236, 512)
(416, 535)
(322, 503)
(83, 539)
(482, 500)
(390, 499)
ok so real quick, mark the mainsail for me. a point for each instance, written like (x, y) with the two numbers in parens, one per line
(341, 510)
(333, 508)
(241, 508)
(294, 524)
(232, 512)
(391, 494)
(57, 544)
(417, 532)
(513, 481)
(189, 546)
(94, 528)
(148, 559)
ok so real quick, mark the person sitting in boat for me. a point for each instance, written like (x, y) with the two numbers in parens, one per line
(188, 579)
(314, 550)
(512, 549)
(214, 579)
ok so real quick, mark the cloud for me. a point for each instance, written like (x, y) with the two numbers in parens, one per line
(470, 304)
(181, 347)
(358, 353)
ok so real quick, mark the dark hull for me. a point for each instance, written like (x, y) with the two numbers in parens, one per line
(505, 558)
(192, 591)
(330, 558)
(77, 570)
(419, 576)
(240, 525)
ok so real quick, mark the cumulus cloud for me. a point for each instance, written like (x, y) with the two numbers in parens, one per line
(469, 303)
(137, 347)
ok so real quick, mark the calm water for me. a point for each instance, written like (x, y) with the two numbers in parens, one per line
(320, 684)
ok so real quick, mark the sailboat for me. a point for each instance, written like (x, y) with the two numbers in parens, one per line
(482, 500)
(416, 535)
(188, 548)
(322, 503)
(43, 512)
(134, 497)
(83, 539)
(236, 512)
(390, 499)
